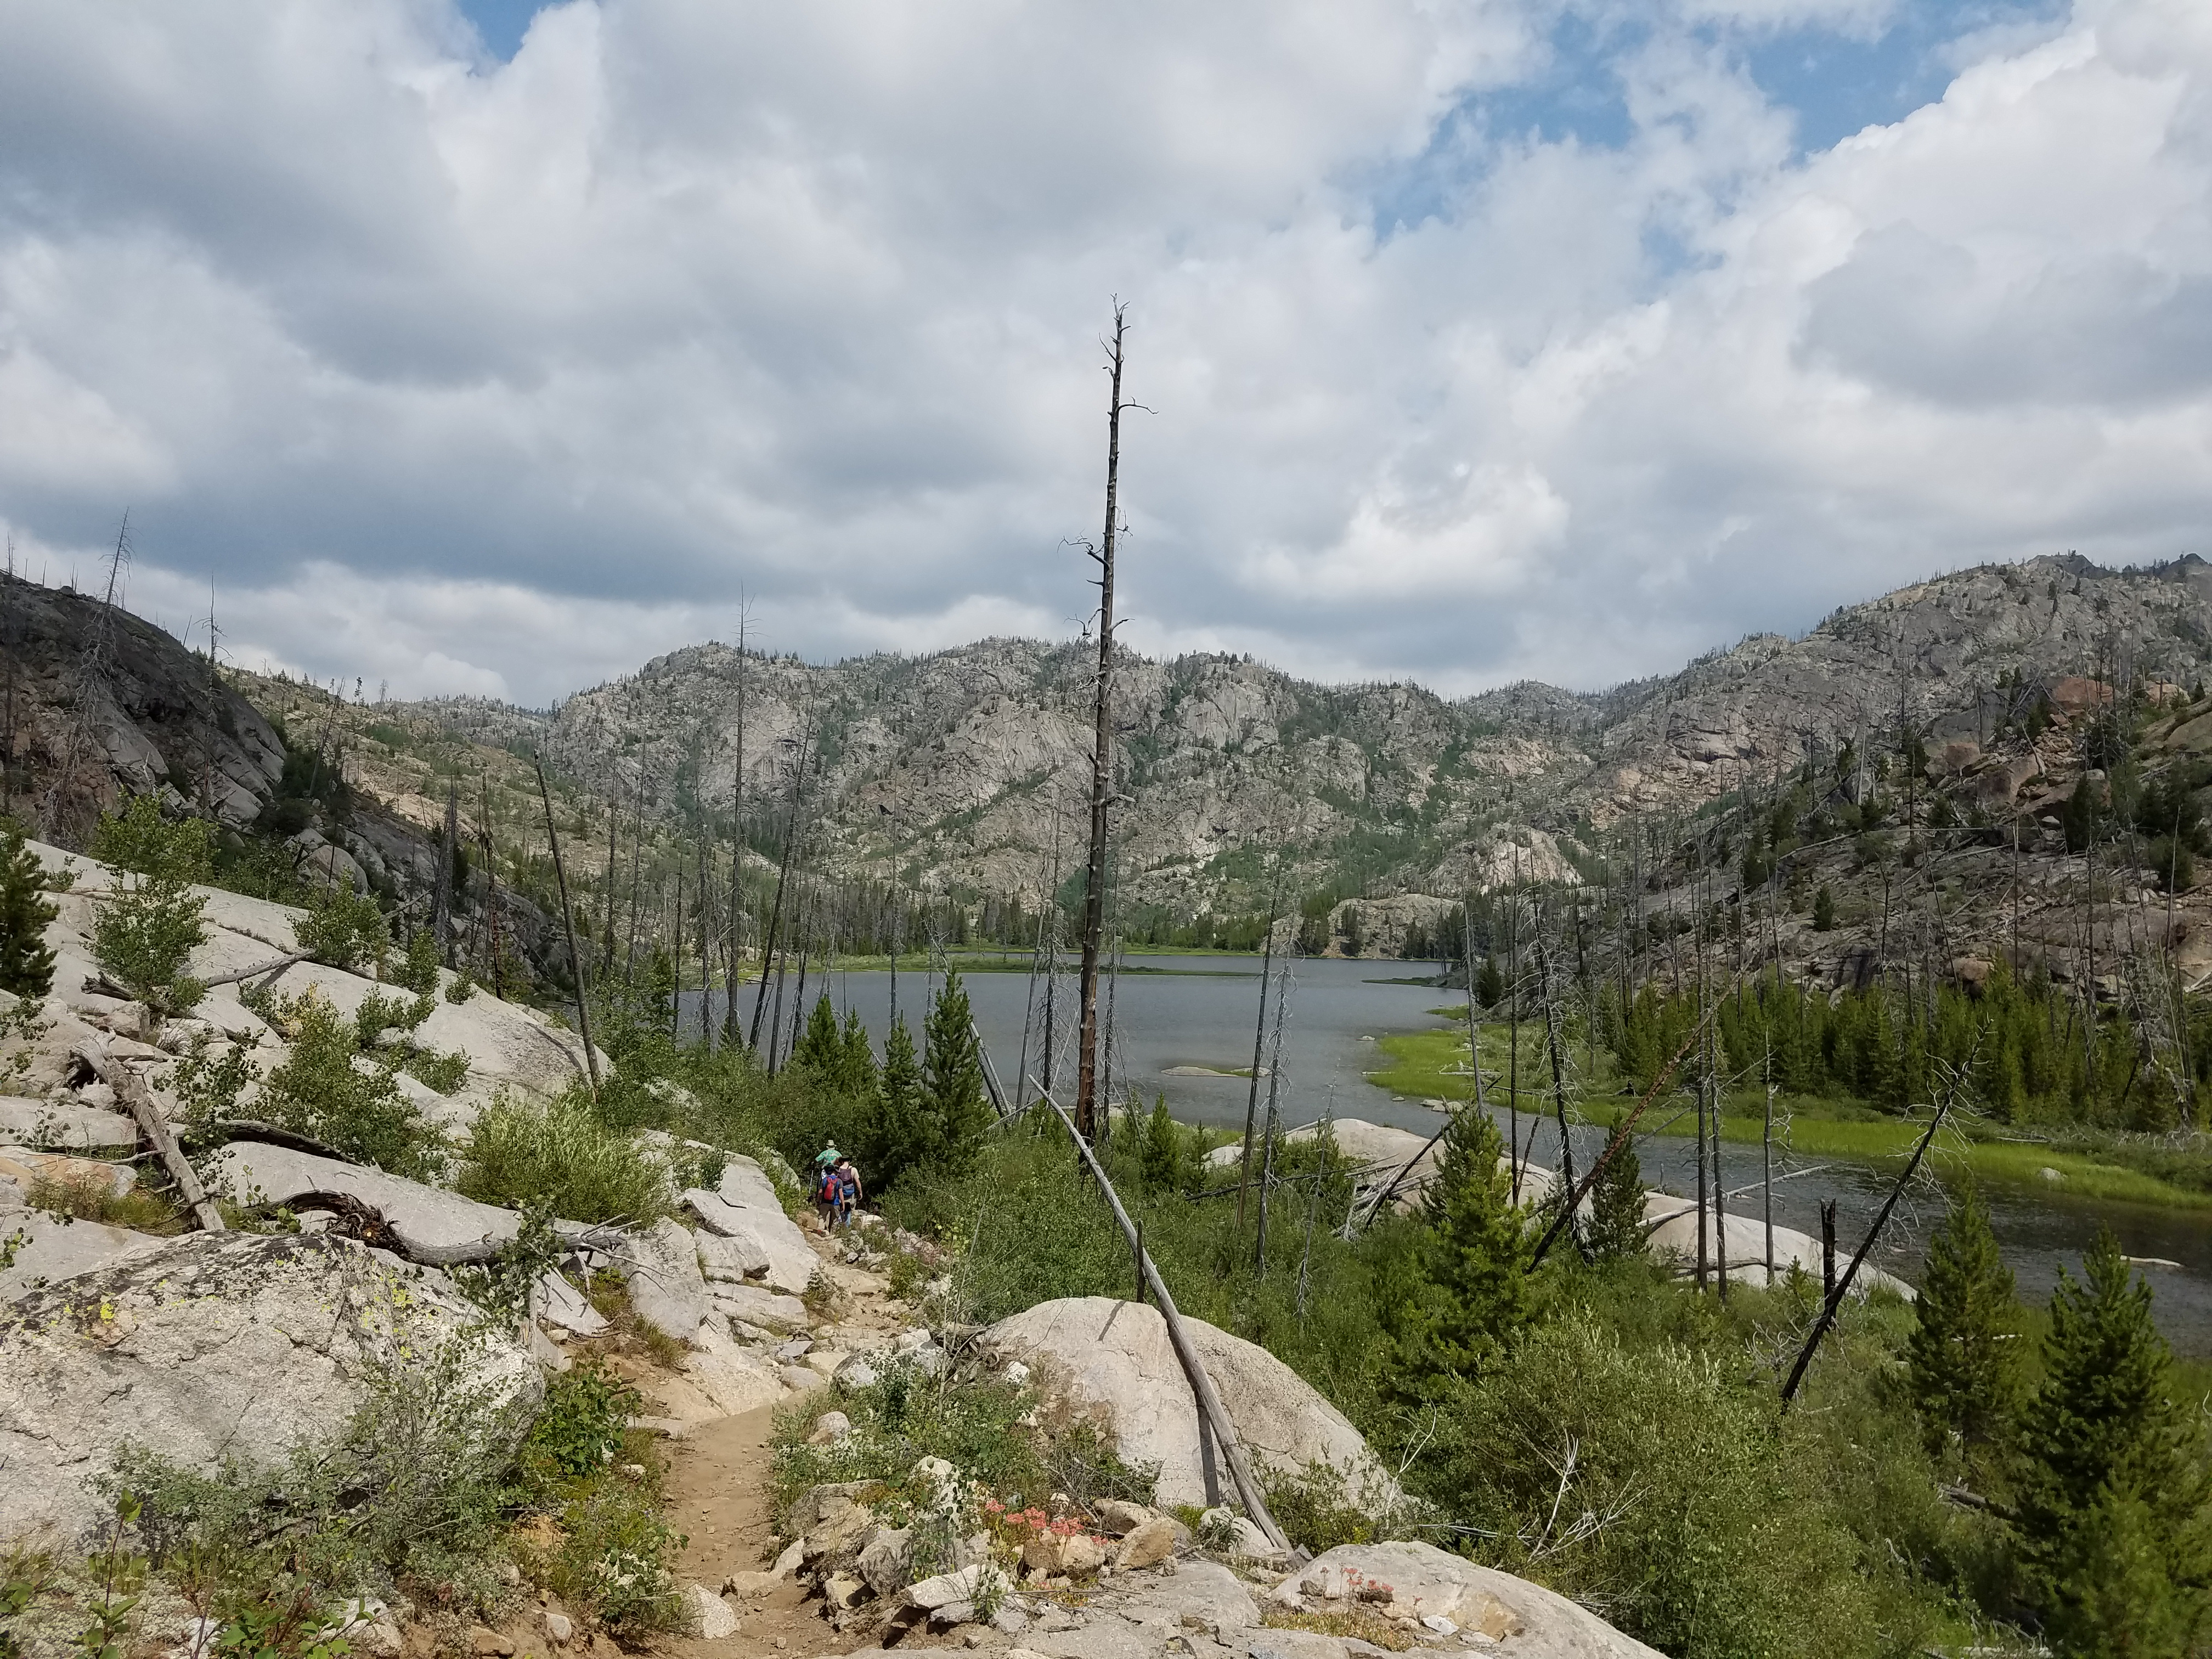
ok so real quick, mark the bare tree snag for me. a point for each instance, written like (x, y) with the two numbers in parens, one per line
(568, 926)
(1102, 757)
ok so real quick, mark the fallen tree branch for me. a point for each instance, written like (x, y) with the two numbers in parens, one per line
(247, 1128)
(273, 967)
(1201, 1385)
(130, 1088)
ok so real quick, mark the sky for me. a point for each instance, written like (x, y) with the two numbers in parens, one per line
(467, 346)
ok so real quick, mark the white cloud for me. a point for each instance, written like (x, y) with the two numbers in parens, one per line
(507, 377)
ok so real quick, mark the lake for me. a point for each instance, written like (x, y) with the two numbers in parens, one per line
(1198, 1012)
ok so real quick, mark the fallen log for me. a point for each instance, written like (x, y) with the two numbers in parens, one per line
(1209, 1399)
(130, 1088)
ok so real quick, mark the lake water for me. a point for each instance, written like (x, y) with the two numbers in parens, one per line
(1202, 1014)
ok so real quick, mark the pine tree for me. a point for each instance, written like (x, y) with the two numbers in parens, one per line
(857, 1072)
(1159, 1154)
(821, 1045)
(2113, 1508)
(1615, 1232)
(1824, 911)
(1475, 1259)
(1491, 985)
(890, 1140)
(26, 967)
(1964, 1354)
(953, 1110)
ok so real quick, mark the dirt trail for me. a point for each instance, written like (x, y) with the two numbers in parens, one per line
(718, 1492)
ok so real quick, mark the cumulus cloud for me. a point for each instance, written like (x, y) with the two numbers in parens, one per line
(500, 377)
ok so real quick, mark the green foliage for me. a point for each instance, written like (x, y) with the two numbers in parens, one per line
(1648, 1480)
(419, 972)
(1163, 1162)
(1472, 1295)
(560, 1155)
(140, 840)
(615, 1559)
(2113, 1522)
(145, 932)
(821, 1045)
(890, 1140)
(122, 1577)
(442, 1070)
(1490, 985)
(580, 1428)
(208, 1089)
(1964, 1349)
(410, 1490)
(27, 966)
(379, 1014)
(1824, 910)
(461, 989)
(502, 1286)
(343, 930)
(953, 1112)
(319, 1091)
(1615, 1231)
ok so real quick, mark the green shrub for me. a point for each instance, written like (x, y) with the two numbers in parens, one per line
(442, 1070)
(410, 1493)
(578, 1429)
(560, 1154)
(615, 1559)
(140, 840)
(319, 1091)
(419, 972)
(342, 929)
(144, 933)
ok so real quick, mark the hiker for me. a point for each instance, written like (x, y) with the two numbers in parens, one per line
(827, 1186)
(848, 1190)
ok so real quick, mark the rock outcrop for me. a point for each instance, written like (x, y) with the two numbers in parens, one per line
(208, 1346)
(1112, 1360)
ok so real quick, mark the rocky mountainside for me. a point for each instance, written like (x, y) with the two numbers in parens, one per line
(968, 767)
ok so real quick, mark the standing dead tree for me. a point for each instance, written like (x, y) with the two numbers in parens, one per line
(1102, 754)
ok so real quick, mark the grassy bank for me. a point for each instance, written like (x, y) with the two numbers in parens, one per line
(1432, 1065)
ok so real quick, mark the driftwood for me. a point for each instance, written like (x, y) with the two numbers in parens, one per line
(130, 1088)
(248, 1128)
(1209, 1408)
(273, 967)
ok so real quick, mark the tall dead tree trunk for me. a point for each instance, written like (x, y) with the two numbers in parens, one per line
(568, 928)
(441, 892)
(1102, 757)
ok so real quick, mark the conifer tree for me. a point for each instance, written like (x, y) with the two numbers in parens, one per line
(1159, 1154)
(1490, 984)
(27, 966)
(858, 1071)
(1965, 1353)
(2113, 1507)
(1475, 1259)
(953, 1110)
(890, 1142)
(820, 1046)
(1615, 1232)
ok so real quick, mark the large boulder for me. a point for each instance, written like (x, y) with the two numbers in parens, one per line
(666, 1289)
(1112, 1361)
(744, 1208)
(212, 1345)
(52, 1247)
(1526, 1620)
(66, 1124)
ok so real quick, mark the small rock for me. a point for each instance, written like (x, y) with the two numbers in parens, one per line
(1010, 1619)
(886, 1559)
(1439, 1624)
(1082, 1554)
(952, 1614)
(1018, 1374)
(856, 1373)
(379, 1637)
(943, 1589)
(558, 1629)
(829, 1428)
(1147, 1546)
(708, 1615)
(841, 1589)
(489, 1643)
(1117, 1515)
(800, 1380)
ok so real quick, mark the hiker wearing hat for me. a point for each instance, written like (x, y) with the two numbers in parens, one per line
(827, 1188)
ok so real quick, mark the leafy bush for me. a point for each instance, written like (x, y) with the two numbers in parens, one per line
(419, 972)
(341, 929)
(140, 840)
(580, 1428)
(561, 1154)
(149, 926)
(442, 1070)
(409, 1493)
(319, 1091)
